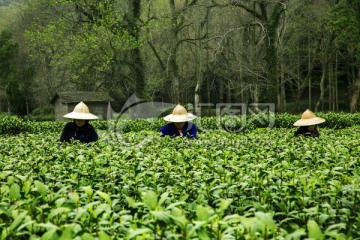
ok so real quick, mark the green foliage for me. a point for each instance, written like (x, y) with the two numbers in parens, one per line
(13, 125)
(88, 38)
(228, 123)
(45, 113)
(344, 21)
(15, 79)
(4, 114)
(44, 110)
(8, 51)
(261, 184)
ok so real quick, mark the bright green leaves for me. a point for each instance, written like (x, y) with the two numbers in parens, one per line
(105, 196)
(41, 188)
(150, 199)
(224, 204)
(314, 230)
(74, 197)
(162, 216)
(140, 233)
(58, 211)
(203, 213)
(88, 190)
(14, 192)
(225, 187)
(17, 220)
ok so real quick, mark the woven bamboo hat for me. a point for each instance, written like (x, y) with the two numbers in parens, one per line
(179, 114)
(308, 118)
(81, 111)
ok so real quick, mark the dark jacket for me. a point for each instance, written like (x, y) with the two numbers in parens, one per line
(85, 134)
(304, 131)
(188, 130)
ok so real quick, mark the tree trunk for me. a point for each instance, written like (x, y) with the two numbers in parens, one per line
(281, 93)
(355, 94)
(310, 99)
(271, 56)
(330, 87)
(270, 23)
(255, 95)
(221, 92)
(228, 95)
(199, 74)
(322, 83)
(173, 69)
(309, 69)
(336, 83)
(136, 54)
(208, 93)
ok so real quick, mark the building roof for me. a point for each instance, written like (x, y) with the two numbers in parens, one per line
(78, 96)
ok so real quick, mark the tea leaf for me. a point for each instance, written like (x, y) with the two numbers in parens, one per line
(314, 230)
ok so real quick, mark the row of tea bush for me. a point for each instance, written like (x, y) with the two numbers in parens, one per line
(15, 125)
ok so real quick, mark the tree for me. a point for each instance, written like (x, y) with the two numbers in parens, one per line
(267, 15)
(135, 60)
(175, 23)
(85, 45)
(17, 80)
(344, 23)
(305, 48)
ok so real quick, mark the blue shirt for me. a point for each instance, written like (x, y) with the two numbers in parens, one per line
(188, 130)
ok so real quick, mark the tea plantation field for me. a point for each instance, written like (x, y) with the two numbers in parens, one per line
(256, 184)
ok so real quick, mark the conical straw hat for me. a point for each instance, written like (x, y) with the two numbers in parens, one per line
(308, 118)
(179, 114)
(81, 111)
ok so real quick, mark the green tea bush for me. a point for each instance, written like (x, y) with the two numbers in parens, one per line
(136, 125)
(100, 124)
(340, 120)
(4, 114)
(228, 123)
(263, 184)
(332, 120)
(42, 118)
(13, 125)
(45, 126)
(44, 113)
(285, 120)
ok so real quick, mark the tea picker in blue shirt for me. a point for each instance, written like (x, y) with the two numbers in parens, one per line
(179, 123)
(80, 128)
(308, 124)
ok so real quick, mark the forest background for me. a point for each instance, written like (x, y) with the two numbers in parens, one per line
(297, 54)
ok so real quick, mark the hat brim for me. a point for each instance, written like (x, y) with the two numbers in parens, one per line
(81, 116)
(309, 122)
(179, 118)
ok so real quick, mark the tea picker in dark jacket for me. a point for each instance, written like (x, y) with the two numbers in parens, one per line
(308, 124)
(179, 123)
(80, 128)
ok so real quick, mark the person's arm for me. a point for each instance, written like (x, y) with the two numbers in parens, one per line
(298, 132)
(65, 134)
(92, 135)
(315, 132)
(164, 130)
(192, 131)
